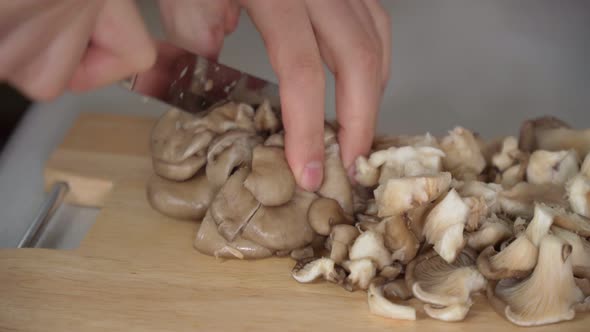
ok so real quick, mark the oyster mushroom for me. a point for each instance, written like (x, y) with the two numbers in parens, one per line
(310, 269)
(379, 305)
(227, 152)
(223, 118)
(580, 256)
(514, 174)
(555, 167)
(552, 134)
(585, 168)
(361, 272)
(444, 226)
(182, 200)
(571, 221)
(397, 196)
(578, 193)
(530, 130)
(463, 155)
(407, 161)
(383, 142)
(208, 241)
(366, 174)
(265, 119)
(547, 295)
(478, 210)
(392, 271)
(276, 140)
(271, 180)
(397, 289)
(282, 227)
(325, 213)
(508, 155)
(492, 231)
(520, 200)
(446, 288)
(520, 256)
(340, 240)
(400, 240)
(336, 184)
(488, 191)
(370, 245)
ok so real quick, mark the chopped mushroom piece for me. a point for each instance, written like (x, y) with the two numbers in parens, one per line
(336, 184)
(397, 289)
(564, 139)
(392, 271)
(514, 174)
(362, 271)
(508, 155)
(580, 257)
(397, 196)
(223, 118)
(407, 161)
(488, 191)
(381, 306)
(385, 142)
(520, 200)
(366, 174)
(325, 213)
(519, 226)
(400, 240)
(310, 269)
(478, 210)
(271, 180)
(370, 244)
(492, 231)
(340, 240)
(571, 221)
(302, 253)
(530, 131)
(547, 296)
(446, 288)
(585, 169)
(552, 167)
(265, 119)
(578, 193)
(180, 171)
(444, 226)
(463, 155)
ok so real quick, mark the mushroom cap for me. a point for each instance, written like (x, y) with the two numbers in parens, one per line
(225, 117)
(361, 272)
(181, 200)
(514, 261)
(400, 240)
(463, 156)
(397, 196)
(271, 180)
(234, 206)
(265, 119)
(564, 139)
(514, 174)
(540, 224)
(282, 227)
(325, 213)
(336, 184)
(407, 161)
(180, 171)
(492, 231)
(478, 210)
(310, 269)
(580, 255)
(370, 245)
(520, 200)
(381, 306)
(366, 174)
(531, 129)
(171, 143)
(530, 302)
(340, 240)
(578, 193)
(555, 167)
(208, 241)
(227, 152)
(444, 225)
(397, 289)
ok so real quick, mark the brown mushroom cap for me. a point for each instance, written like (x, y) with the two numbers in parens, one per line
(463, 155)
(325, 213)
(336, 184)
(400, 240)
(223, 118)
(182, 200)
(282, 227)
(340, 240)
(271, 180)
(530, 129)
(520, 200)
(234, 206)
(180, 171)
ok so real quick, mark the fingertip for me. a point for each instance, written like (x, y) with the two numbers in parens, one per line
(306, 159)
(312, 175)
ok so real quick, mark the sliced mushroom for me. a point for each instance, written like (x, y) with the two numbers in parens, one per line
(488, 191)
(580, 256)
(209, 242)
(180, 171)
(556, 139)
(508, 155)
(361, 272)
(366, 174)
(271, 180)
(234, 206)
(310, 269)
(492, 231)
(519, 226)
(381, 306)
(227, 152)
(370, 245)
(514, 174)
(400, 240)
(223, 118)
(520, 200)
(407, 161)
(397, 196)
(547, 296)
(444, 226)
(385, 142)
(336, 184)
(392, 271)
(578, 192)
(571, 221)
(341, 239)
(463, 155)
(282, 227)
(478, 210)
(325, 213)
(552, 167)
(520, 256)
(182, 200)
(265, 119)
(446, 288)
(532, 129)
(397, 289)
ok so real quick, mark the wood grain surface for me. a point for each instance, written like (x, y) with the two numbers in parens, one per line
(137, 271)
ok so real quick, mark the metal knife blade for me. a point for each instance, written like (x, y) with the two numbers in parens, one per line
(195, 83)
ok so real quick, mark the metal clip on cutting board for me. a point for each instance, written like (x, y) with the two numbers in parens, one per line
(193, 84)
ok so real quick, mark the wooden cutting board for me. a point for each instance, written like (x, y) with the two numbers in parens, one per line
(137, 270)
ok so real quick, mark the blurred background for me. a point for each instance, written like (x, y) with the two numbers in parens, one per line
(484, 64)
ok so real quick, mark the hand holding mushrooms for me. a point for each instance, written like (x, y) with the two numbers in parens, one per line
(429, 223)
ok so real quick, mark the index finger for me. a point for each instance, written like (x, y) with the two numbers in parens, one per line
(292, 48)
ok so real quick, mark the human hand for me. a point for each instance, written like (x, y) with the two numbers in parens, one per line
(53, 45)
(353, 39)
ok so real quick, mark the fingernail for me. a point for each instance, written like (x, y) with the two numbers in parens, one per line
(311, 178)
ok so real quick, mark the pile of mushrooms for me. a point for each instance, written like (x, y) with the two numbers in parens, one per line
(432, 219)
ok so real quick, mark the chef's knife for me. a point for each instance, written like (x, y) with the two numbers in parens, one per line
(193, 84)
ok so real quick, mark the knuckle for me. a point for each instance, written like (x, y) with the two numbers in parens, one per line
(368, 56)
